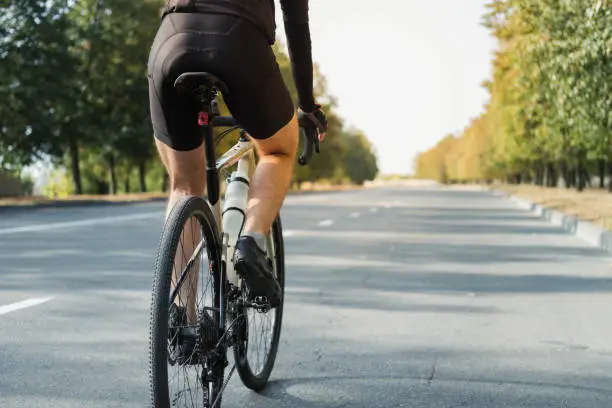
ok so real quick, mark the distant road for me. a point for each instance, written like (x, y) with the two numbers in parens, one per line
(396, 297)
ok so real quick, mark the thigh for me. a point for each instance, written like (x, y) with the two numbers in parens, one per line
(284, 141)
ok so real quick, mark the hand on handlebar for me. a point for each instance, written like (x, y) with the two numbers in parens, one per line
(313, 125)
(318, 120)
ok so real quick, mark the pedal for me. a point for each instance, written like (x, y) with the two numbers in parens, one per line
(261, 304)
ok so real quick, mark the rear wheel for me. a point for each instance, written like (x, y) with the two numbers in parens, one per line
(186, 312)
(259, 332)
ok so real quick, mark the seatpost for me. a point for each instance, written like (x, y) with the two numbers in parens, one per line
(212, 174)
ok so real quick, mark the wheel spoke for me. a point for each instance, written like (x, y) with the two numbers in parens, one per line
(186, 270)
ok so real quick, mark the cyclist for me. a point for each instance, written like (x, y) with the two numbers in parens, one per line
(232, 40)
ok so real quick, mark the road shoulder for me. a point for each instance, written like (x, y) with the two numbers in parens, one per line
(590, 232)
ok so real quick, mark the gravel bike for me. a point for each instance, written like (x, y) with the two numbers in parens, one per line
(200, 307)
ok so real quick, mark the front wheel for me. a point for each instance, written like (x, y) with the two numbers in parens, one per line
(259, 333)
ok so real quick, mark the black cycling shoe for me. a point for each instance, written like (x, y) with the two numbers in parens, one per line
(184, 336)
(252, 265)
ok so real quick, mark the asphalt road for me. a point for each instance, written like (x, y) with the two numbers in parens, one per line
(396, 297)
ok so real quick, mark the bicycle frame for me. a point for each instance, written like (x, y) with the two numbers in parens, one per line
(243, 150)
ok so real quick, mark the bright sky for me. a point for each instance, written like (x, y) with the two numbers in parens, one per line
(406, 72)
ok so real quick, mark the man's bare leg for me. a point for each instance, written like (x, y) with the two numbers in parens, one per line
(187, 173)
(272, 177)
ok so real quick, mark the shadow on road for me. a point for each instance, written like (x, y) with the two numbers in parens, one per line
(340, 263)
(74, 260)
(384, 390)
(432, 377)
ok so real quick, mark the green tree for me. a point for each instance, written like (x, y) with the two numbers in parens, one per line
(359, 160)
(549, 108)
(116, 38)
(34, 35)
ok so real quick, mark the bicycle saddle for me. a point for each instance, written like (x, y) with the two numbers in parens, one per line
(191, 81)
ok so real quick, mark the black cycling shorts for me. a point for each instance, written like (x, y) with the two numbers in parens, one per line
(229, 47)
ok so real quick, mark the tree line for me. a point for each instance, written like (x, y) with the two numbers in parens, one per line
(549, 115)
(74, 92)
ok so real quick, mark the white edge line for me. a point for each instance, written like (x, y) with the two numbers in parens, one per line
(80, 223)
(23, 304)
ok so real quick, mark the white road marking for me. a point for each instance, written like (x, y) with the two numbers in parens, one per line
(374, 210)
(355, 215)
(23, 304)
(326, 223)
(288, 233)
(81, 223)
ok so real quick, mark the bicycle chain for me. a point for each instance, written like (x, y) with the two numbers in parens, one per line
(229, 377)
